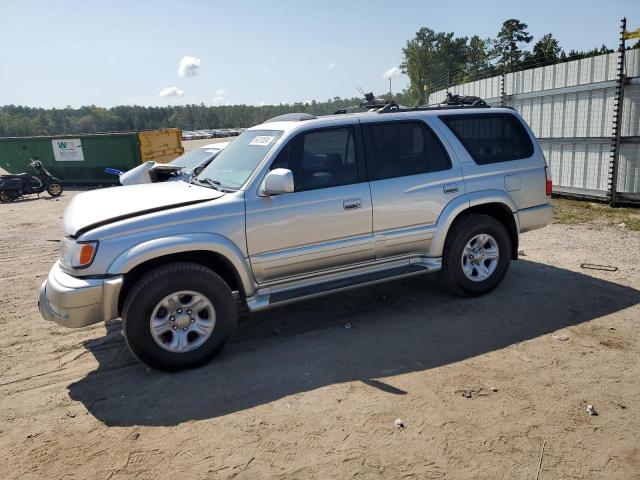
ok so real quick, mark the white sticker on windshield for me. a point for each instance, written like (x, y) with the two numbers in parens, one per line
(262, 140)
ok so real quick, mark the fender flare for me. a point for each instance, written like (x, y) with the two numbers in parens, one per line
(162, 246)
(462, 203)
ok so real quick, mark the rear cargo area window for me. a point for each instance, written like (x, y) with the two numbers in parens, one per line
(400, 149)
(491, 138)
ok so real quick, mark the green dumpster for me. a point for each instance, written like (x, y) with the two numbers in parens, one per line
(81, 159)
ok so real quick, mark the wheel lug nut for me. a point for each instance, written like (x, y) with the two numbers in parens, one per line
(179, 310)
(173, 318)
(188, 312)
(175, 328)
(192, 320)
(184, 329)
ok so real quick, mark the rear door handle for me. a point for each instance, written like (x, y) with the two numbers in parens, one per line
(450, 188)
(352, 203)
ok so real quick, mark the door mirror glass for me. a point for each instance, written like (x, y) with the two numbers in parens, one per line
(278, 182)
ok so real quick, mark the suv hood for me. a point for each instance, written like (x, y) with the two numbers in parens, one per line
(91, 209)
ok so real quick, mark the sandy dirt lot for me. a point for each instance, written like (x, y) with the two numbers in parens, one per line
(482, 386)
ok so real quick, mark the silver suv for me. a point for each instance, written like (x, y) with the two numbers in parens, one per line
(295, 208)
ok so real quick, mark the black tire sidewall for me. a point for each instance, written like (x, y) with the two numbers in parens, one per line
(155, 286)
(453, 264)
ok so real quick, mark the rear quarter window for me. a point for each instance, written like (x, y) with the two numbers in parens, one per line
(491, 138)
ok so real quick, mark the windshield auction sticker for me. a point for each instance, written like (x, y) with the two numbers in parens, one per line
(262, 140)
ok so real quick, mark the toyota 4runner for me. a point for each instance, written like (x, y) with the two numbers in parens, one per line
(295, 208)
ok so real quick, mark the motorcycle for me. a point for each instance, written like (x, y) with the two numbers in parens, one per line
(18, 185)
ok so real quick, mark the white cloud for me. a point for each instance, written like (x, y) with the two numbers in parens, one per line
(168, 92)
(220, 97)
(392, 72)
(189, 67)
(264, 69)
(331, 66)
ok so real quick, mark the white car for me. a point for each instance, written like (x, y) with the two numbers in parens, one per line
(182, 168)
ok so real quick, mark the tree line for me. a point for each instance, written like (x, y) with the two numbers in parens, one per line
(24, 121)
(436, 60)
(432, 61)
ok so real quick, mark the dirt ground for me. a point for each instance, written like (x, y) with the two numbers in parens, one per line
(493, 387)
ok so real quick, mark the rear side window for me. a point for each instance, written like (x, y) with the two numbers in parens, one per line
(400, 149)
(491, 138)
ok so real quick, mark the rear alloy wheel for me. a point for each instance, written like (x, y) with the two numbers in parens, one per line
(476, 256)
(178, 316)
(6, 197)
(55, 189)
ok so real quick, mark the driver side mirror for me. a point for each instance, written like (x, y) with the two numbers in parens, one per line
(277, 182)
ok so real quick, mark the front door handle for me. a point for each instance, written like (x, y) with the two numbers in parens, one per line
(450, 188)
(352, 203)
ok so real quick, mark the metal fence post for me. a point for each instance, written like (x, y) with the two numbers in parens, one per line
(503, 97)
(617, 119)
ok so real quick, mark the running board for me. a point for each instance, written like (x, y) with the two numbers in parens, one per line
(264, 301)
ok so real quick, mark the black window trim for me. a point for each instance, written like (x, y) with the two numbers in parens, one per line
(366, 138)
(472, 116)
(359, 151)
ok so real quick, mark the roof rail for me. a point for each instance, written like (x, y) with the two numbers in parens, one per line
(382, 105)
(292, 117)
(467, 101)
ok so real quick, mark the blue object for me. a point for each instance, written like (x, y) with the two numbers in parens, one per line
(113, 171)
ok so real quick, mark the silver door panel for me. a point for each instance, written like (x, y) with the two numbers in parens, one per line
(303, 232)
(326, 255)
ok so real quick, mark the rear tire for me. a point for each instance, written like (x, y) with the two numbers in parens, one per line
(55, 189)
(6, 197)
(161, 299)
(476, 255)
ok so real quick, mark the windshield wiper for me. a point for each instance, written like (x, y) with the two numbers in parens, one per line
(215, 184)
(207, 182)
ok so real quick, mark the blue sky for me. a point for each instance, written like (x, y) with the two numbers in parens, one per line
(113, 52)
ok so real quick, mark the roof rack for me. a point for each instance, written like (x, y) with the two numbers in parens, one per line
(292, 117)
(467, 101)
(382, 105)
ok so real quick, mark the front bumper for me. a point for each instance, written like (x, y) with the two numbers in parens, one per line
(535, 217)
(78, 302)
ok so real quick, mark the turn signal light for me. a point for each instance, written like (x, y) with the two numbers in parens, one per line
(86, 253)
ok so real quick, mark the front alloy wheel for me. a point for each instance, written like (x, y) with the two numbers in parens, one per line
(182, 321)
(178, 316)
(54, 189)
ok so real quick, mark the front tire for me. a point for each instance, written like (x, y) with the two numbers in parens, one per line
(178, 316)
(55, 189)
(476, 256)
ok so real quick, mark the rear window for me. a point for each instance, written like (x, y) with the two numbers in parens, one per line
(491, 138)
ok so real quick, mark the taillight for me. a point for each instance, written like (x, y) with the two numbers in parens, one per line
(548, 183)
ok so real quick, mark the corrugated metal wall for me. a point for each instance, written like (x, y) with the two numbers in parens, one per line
(570, 108)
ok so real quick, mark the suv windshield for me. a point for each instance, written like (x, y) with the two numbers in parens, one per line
(233, 166)
(194, 158)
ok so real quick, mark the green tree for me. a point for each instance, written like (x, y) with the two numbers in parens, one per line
(478, 58)
(508, 47)
(546, 50)
(432, 61)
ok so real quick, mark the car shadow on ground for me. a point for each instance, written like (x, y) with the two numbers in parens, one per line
(362, 335)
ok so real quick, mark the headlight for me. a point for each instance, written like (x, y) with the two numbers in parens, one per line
(76, 254)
